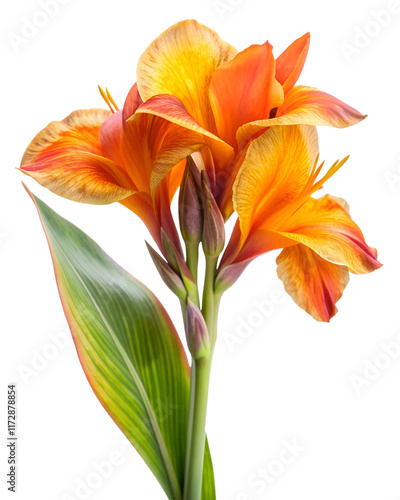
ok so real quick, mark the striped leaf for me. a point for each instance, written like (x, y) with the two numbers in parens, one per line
(129, 350)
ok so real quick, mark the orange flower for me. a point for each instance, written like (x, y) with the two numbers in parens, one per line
(230, 96)
(97, 156)
(272, 196)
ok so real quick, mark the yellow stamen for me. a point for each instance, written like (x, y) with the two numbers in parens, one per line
(104, 96)
(112, 100)
(109, 100)
(277, 220)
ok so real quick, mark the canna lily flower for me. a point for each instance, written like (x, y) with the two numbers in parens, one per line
(193, 78)
(272, 196)
(97, 156)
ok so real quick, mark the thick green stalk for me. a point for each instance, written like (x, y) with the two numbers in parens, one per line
(199, 383)
(192, 258)
(208, 293)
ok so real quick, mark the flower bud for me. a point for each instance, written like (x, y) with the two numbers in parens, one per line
(177, 263)
(228, 275)
(168, 275)
(196, 332)
(213, 227)
(190, 213)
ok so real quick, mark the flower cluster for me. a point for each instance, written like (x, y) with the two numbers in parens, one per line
(238, 135)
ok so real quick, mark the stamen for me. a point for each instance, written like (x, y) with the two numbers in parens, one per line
(105, 97)
(112, 100)
(310, 188)
(109, 99)
(334, 168)
(315, 165)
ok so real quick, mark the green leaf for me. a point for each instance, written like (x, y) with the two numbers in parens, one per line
(129, 350)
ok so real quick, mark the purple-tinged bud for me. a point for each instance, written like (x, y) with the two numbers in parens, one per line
(170, 251)
(168, 275)
(197, 336)
(227, 276)
(190, 212)
(178, 264)
(213, 228)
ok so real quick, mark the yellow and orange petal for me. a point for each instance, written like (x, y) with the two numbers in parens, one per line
(314, 283)
(307, 106)
(258, 242)
(157, 146)
(170, 108)
(67, 157)
(324, 225)
(132, 102)
(290, 63)
(273, 174)
(141, 204)
(145, 145)
(244, 90)
(225, 181)
(181, 62)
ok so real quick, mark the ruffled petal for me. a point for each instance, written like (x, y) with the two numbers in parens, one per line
(313, 283)
(309, 106)
(181, 62)
(225, 181)
(67, 157)
(324, 225)
(132, 102)
(258, 242)
(244, 90)
(154, 146)
(290, 63)
(172, 109)
(273, 174)
(111, 137)
(141, 205)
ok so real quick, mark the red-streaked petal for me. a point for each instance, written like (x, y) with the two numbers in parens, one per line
(148, 147)
(155, 146)
(141, 205)
(174, 179)
(258, 242)
(313, 283)
(172, 109)
(244, 90)
(325, 226)
(309, 106)
(181, 62)
(132, 102)
(290, 63)
(225, 181)
(111, 137)
(68, 158)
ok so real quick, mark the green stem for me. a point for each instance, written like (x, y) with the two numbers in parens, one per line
(208, 293)
(192, 258)
(214, 329)
(199, 384)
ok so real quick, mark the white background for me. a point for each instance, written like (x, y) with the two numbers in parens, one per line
(291, 377)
